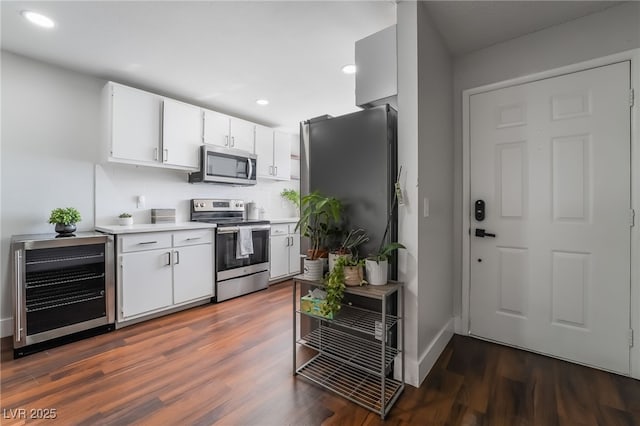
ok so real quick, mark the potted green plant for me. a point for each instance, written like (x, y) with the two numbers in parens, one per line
(293, 197)
(65, 220)
(377, 265)
(318, 215)
(125, 219)
(348, 246)
(353, 271)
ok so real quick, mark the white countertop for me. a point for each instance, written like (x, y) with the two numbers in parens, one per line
(152, 227)
(285, 220)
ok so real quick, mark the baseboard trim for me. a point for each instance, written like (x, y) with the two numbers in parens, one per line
(6, 327)
(433, 351)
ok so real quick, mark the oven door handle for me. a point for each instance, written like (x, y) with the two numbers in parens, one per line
(234, 229)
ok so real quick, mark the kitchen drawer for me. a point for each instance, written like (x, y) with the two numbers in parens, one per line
(144, 241)
(192, 237)
(279, 229)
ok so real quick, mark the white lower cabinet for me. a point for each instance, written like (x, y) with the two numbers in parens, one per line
(147, 282)
(160, 271)
(284, 250)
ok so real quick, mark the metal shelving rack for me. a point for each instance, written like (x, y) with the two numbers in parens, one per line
(351, 359)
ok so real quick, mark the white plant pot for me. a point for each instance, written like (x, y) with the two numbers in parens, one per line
(333, 258)
(376, 271)
(125, 221)
(313, 269)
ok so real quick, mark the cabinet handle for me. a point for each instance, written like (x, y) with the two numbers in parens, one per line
(226, 140)
(176, 260)
(233, 141)
(271, 170)
(193, 238)
(165, 155)
(147, 242)
(275, 170)
(155, 154)
(168, 259)
(291, 241)
(19, 307)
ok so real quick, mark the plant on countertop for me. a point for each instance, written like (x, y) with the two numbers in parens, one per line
(124, 215)
(293, 196)
(318, 215)
(66, 216)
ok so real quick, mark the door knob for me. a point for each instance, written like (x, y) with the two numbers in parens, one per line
(482, 233)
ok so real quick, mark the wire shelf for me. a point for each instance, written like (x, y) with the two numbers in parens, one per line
(353, 350)
(358, 319)
(355, 385)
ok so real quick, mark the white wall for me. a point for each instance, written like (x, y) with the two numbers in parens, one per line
(408, 158)
(613, 30)
(51, 124)
(435, 183)
(425, 152)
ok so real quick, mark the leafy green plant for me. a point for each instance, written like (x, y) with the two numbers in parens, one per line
(385, 251)
(318, 216)
(354, 239)
(334, 286)
(65, 216)
(124, 215)
(291, 195)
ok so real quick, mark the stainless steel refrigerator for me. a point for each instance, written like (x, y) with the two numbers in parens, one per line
(354, 158)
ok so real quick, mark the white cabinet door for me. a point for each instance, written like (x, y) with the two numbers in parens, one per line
(135, 125)
(181, 134)
(216, 129)
(192, 273)
(294, 252)
(242, 134)
(279, 255)
(146, 282)
(282, 155)
(264, 151)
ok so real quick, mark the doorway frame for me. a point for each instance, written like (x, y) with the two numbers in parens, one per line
(634, 302)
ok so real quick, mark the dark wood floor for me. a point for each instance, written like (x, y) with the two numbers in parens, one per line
(230, 364)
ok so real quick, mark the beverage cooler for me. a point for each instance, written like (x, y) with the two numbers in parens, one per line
(63, 289)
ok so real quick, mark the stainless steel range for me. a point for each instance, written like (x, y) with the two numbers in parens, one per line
(242, 246)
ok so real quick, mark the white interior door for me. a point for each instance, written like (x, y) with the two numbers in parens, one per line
(551, 161)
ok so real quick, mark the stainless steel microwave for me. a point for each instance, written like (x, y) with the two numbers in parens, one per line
(225, 165)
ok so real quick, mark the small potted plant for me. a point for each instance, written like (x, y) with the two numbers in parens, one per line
(293, 197)
(348, 246)
(377, 265)
(65, 220)
(334, 287)
(353, 271)
(125, 219)
(318, 215)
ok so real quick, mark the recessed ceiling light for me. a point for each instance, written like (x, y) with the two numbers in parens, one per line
(38, 19)
(262, 102)
(349, 69)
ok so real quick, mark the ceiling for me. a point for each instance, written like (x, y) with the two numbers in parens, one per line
(225, 55)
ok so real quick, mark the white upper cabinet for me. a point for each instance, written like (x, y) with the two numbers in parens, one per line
(150, 130)
(274, 153)
(228, 132)
(282, 155)
(376, 65)
(216, 129)
(134, 135)
(264, 151)
(181, 134)
(242, 134)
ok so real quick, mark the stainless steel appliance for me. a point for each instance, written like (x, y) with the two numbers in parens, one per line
(235, 275)
(225, 165)
(365, 187)
(63, 288)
